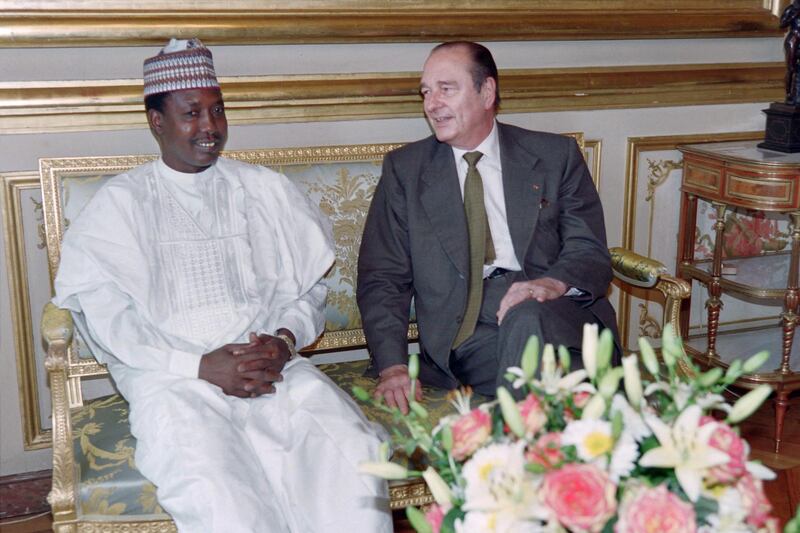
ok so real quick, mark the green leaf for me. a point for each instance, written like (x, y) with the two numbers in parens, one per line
(535, 468)
(417, 520)
(449, 522)
(705, 507)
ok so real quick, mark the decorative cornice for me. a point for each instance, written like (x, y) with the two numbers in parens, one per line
(31, 107)
(28, 23)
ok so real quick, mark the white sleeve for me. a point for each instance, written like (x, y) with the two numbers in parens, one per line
(112, 327)
(304, 316)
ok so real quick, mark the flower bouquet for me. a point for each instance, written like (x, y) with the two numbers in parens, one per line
(598, 449)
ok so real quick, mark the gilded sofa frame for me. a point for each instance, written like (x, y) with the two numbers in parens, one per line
(66, 369)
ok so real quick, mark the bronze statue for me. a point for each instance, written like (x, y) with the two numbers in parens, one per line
(791, 46)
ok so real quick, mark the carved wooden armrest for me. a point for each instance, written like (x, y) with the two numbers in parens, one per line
(57, 330)
(643, 271)
(57, 326)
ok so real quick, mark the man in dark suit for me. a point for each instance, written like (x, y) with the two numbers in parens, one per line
(496, 232)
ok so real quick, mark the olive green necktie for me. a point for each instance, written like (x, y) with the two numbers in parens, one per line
(481, 248)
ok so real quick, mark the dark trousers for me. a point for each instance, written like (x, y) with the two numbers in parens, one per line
(481, 361)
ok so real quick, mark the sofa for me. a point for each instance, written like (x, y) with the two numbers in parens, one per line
(96, 486)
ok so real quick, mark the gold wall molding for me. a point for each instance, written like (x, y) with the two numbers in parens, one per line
(59, 106)
(13, 184)
(636, 146)
(67, 23)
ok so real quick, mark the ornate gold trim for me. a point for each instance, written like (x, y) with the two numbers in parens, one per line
(596, 146)
(34, 437)
(157, 526)
(409, 492)
(59, 106)
(31, 23)
(637, 145)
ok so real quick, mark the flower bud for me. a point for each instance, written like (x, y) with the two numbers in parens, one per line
(530, 357)
(671, 347)
(610, 383)
(439, 489)
(564, 358)
(605, 347)
(510, 411)
(418, 409)
(360, 393)
(589, 349)
(447, 438)
(706, 379)
(747, 404)
(548, 360)
(734, 371)
(633, 380)
(413, 366)
(595, 408)
(385, 470)
(755, 362)
(648, 357)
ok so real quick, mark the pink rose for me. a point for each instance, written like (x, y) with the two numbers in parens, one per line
(546, 451)
(581, 496)
(435, 517)
(469, 432)
(754, 499)
(533, 415)
(655, 509)
(727, 440)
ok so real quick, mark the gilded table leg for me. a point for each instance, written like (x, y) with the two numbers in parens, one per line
(686, 240)
(714, 303)
(792, 297)
(781, 406)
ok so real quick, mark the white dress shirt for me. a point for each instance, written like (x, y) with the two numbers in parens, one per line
(492, 176)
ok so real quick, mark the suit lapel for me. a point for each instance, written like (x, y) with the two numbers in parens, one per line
(440, 195)
(522, 188)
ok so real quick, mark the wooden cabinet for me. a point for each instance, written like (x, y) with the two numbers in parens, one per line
(738, 174)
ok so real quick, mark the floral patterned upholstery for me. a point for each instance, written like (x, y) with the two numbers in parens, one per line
(111, 486)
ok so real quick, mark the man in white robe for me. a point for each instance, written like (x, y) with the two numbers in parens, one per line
(192, 278)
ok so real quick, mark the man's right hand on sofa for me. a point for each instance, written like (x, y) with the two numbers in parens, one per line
(394, 386)
(221, 367)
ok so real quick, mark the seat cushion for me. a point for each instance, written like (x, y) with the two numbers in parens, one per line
(111, 486)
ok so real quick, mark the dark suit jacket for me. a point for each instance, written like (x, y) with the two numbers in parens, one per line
(415, 240)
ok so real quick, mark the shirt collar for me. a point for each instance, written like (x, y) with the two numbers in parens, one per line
(489, 147)
(170, 173)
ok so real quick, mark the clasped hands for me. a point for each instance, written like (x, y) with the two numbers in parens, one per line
(247, 370)
(394, 385)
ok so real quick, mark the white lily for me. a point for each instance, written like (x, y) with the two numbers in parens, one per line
(552, 380)
(589, 349)
(684, 447)
(384, 469)
(438, 487)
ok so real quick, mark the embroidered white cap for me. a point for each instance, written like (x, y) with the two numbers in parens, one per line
(180, 65)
